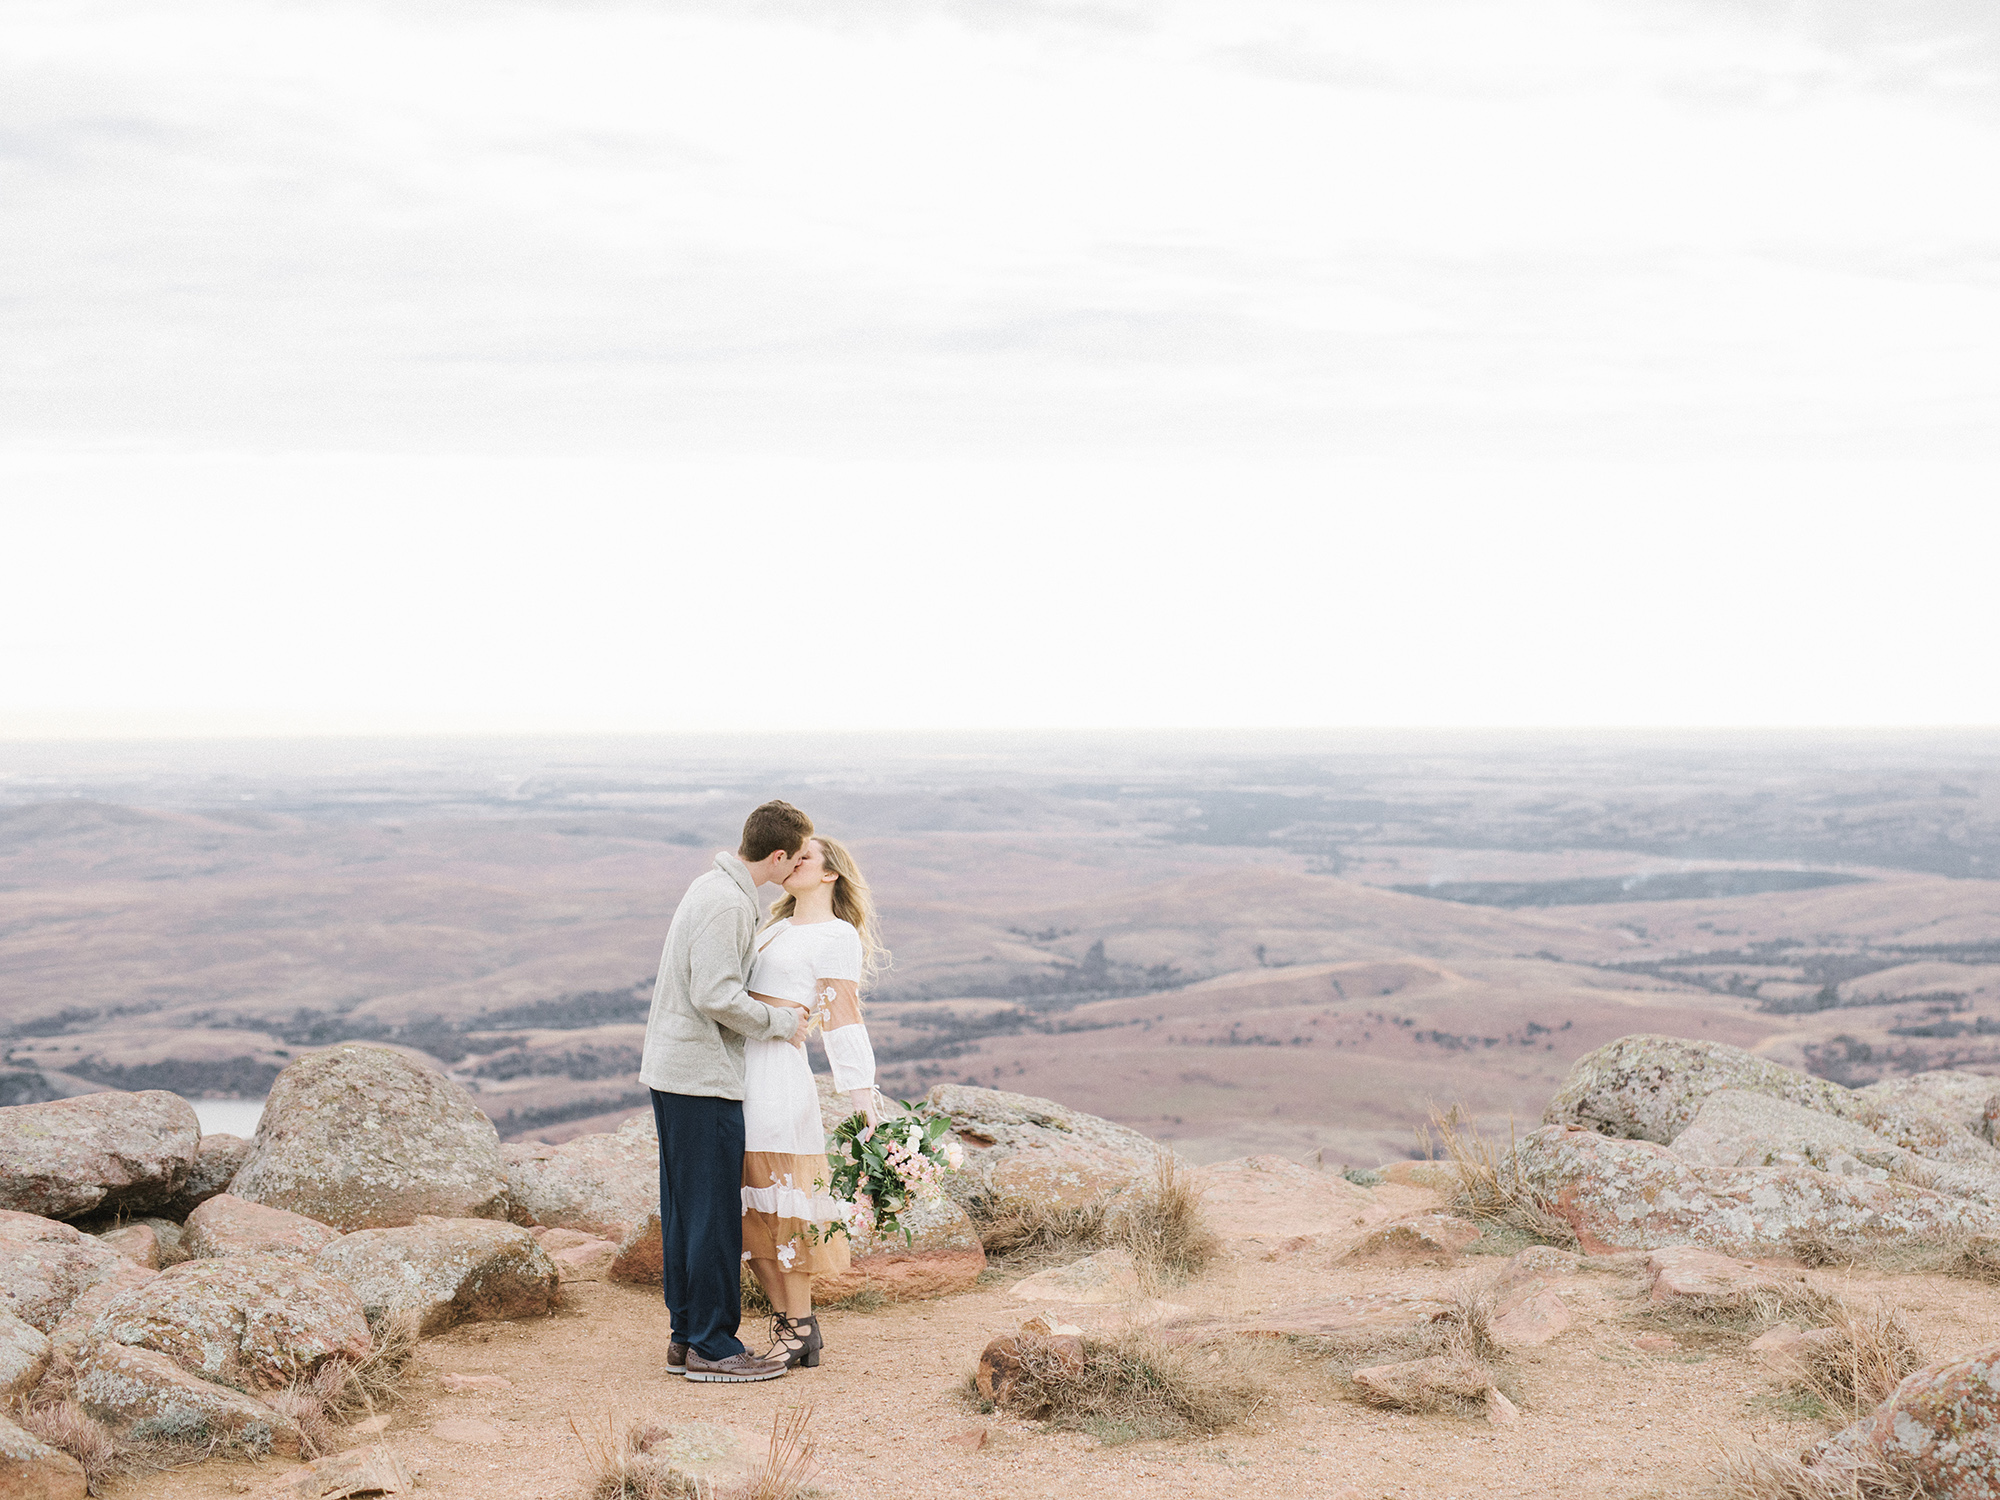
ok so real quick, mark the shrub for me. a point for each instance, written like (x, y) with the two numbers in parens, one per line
(1164, 1228)
(1487, 1188)
(1135, 1385)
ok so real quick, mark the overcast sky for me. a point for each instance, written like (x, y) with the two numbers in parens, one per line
(900, 363)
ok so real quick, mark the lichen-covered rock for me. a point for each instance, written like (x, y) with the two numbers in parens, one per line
(254, 1322)
(70, 1157)
(605, 1185)
(942, 1256)
(1939, 1429)
(78, 1326)
(1648, 1088)
(31, 1470)
(228, 1225)
(445, 1271)
(1631, 1194)
(1736, 1128)
(143, 1395)
(24, 1354)
(1019, 1146)
(366, 1138)
(46, 1266)
(216, 1162)
(1970, 1100)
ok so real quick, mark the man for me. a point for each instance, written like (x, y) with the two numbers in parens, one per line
(693, 1063)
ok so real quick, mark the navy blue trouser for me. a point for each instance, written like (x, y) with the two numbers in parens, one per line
(701, 1219)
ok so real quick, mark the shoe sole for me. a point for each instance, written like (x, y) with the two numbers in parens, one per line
(719, 1378)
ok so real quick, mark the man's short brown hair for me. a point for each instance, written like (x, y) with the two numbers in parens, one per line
(774, 827)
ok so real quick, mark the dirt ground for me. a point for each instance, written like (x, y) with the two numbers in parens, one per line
(1598, 1416)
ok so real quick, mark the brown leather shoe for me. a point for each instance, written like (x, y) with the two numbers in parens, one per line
(738, 1367)
(677, 1359)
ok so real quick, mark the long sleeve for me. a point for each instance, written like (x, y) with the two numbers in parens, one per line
(851, 1056)
(717, 988)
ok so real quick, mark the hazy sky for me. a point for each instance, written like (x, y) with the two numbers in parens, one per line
(865, 363)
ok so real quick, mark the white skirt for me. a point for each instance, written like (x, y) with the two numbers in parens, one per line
(781, 1119)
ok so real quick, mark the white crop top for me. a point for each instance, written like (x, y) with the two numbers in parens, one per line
(790, 959)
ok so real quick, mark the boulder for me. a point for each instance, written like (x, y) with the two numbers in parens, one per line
(254, 1322)
(120, 1151)
(45, 1266)
(943, 1256)
(228, 1225)
(578, 1256)
(1939, 1430)
(136, 1242)
(31, 1470)
(1107, 1276)
(143, 1395)
(216, 1162)
(445, 1271)
(603, 1185)
(1648, 1088)
(367, 1138)
(1970, 1100)
(24, 1354)
(78, 1326)
(1630, 1194)
(1019, 1146)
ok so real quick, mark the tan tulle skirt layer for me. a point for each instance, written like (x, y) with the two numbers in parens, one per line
(783, 1198)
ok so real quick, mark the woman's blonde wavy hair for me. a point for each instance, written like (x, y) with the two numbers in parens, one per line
(851, 903)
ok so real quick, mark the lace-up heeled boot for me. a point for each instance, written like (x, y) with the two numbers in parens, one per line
(797, 1341)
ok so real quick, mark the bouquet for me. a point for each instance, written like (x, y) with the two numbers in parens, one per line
(887, 1169)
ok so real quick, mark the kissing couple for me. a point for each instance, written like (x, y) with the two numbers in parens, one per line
(742, 1150)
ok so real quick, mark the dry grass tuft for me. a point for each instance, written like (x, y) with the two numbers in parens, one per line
(1978, 1259)
(1022, 1230)
(62, 1423)
(620, 1464)
(1856, 1370)
(1487, 1188)
(1164, 1228)
(1751, 1310)
(756, 1303)
(792, 1461)
(1750, 1473)
(1137, 1385)
(339, 1390)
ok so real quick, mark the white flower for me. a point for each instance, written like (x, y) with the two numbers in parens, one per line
(786, 1255)
(955, 1155)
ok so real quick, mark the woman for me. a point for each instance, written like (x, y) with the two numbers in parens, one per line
(820, 943)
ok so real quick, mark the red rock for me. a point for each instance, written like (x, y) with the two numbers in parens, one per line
(1940, 1429)
(228, 1225)
(943, 1257)
(971, 1441)
(46, 1266)
(1656, 1343)
(1499, 1410)
(1684, 1271)
(345, 1476)
(255, 1322)
(578, 1256)
(136, 1242)
(69, 1157)
(607, 1186)
(31, 1470)
(1529, 1317)
(1003, 1362)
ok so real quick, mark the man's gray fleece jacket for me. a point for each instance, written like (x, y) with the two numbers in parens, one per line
(701, 1011)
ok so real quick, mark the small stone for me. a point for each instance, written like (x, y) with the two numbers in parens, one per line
(588, 1259)
(373, 1426)
(1529, 1318)
(1499, 1410)
(228, 1225)
(345, 1476)
(468, 1430)
(31, 1470)
(1107, 1276)
(1656, 1343)
(1003, 1362)
(1419, 1383)
(460, 1385)
(972, 1441)
(136, 1242)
